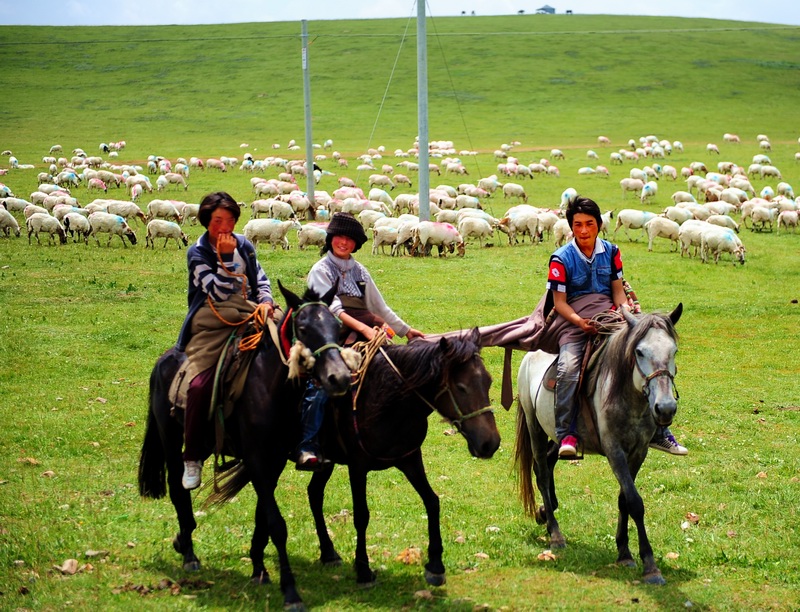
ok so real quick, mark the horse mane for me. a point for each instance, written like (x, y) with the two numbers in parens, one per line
(620, 358)
(421, 362)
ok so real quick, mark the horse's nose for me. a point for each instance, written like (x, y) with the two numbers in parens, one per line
(338, 383)
(665, 411)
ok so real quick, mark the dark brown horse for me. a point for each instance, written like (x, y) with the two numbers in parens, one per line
(402, 387)
(261, 432)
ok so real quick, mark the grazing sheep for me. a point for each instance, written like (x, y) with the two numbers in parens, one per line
(113, 225)
(629, 218)
(771, 171)
(270, 230)
(77, 226)
(177, 179)
(761, 216)
(44, 222)
(32, 209)
(14, 204)
(381, 180)
(490, 184)
(383, 236)
(561, 232)
(443, 235)
(216, 164)
(723, 221)
(787, 219)
(159, 228)
(163, 209)
(8, 223)
(556, 154)
(663, 228)
(520, 220)
(126, 210)
(470, 227)
(367, 218)
(720, 240)
(712, 148)
(312, 234)
(649, 191)
(514, 190)
(730, 138)
(405, 235)
(631, 184)
(190, 212)
(690, 236)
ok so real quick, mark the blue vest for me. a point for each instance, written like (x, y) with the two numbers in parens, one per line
(584, 277)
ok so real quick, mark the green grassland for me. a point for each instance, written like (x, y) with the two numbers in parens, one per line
(83, 325)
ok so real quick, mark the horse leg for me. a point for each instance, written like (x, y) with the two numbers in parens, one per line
(264, 476)
(414, 471)
(630, 504)
(358, 489)
(316, 498)
(180, 497)
(543, 465)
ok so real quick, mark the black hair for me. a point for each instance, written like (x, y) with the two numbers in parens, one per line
(585, 206)
(213, 201)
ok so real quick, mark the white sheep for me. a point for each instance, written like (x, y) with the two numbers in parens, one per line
(312, 234)
(44, 222)
(520, 220)
(629, 218)
(270, 230)
(514, 190)
(787, 219)
(771, 171)
(8, 223)
(14, 204)
(77, 226)
(160, 228)
(561, 232)
(381, 180)
(126, 210)
(113, 225)
(568, 196)
(649, 190)
(32, 209)
(556, 154)
(163, 209)
(723, 221)
(663, 228)
(470, 227)
(383, 236)
(216, 164)
(720, 240)
(690, 235)
(405, 235)
(631, 184)
(761, 216)
(712, 148)
(443, 235)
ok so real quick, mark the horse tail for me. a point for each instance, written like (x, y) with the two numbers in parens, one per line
(523, 461)
(152, 460)
(227, 484)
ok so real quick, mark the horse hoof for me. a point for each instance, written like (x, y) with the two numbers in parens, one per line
(297, 606)
(655, 578)
(369, 582)
(192, 566)
(262, 577)
(436, 580)
(626, 563)
(331, 561)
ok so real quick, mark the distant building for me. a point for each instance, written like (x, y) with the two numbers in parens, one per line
(546, 10)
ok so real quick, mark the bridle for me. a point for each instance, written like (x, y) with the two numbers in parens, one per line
(445, 389)
(657, 374)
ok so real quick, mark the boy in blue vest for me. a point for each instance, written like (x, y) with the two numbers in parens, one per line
(585, 279)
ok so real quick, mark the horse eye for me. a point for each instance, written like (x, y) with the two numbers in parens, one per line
(462, 388)
(639, 352)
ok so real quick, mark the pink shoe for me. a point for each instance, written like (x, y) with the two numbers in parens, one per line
(569, 447)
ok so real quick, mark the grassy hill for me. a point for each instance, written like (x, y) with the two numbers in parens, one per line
(543, 80)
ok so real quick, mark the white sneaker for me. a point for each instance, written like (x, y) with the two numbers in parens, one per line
(668, 444)
(192, 472)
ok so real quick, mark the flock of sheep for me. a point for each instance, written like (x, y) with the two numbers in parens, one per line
(700, 219)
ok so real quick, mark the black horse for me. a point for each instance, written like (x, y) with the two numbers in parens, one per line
(403, 385)
(261, 432)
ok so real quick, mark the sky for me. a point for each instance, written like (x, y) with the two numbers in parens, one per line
(186, 12)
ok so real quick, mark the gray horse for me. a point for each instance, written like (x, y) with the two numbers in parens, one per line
(629, 390)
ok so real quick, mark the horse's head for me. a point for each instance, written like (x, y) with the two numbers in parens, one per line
(652, 344)
(464, 397)
(317, 329)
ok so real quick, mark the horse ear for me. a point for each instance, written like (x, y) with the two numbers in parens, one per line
(675, 315)
(475, 336)
(328, 297)
(292, 301)
(629, 318)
